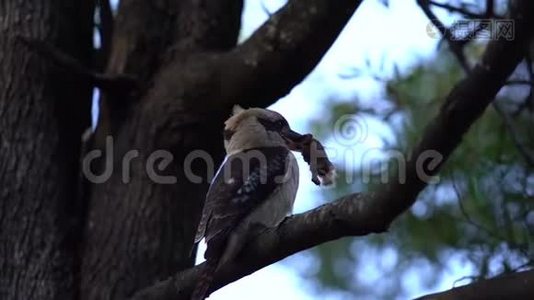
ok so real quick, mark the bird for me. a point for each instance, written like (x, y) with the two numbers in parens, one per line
(254, 188)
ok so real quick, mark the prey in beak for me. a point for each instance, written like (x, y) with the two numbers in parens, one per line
(313, 152)
(294, 140)
(262, 125)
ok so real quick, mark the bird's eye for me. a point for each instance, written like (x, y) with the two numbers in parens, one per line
(273, 125)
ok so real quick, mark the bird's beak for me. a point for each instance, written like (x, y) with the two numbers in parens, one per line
(295, 140)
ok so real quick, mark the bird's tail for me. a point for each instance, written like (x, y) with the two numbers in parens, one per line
(201, 289)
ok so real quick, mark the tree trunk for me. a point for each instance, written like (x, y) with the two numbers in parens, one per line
(43, 112)
(140, 229)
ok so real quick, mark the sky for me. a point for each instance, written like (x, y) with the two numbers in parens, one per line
(375, 40)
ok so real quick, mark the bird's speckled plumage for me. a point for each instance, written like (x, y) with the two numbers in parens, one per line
(255, 185)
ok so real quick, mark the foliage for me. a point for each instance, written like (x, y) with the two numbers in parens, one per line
(479, 216)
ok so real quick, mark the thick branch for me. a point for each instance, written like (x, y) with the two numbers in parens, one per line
(280, 54)
(457, 49)
(117, 84)
(513, 286)
(141, 33)
(208, 25)
(283, 51)
(362, 214)
(264, 68)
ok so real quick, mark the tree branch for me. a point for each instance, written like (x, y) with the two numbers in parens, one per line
(523, 149)
(282, 51)
(512, 286)
(206, 25)
(455, 45)
(457, 48)
(362, 214)
(520, 82)
(117, 84)
(142, 32)
(461, 10)
(253, 73)
(105, 28)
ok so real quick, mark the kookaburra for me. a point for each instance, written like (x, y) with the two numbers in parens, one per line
(255, 186)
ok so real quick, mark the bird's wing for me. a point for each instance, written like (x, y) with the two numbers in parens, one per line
(243, 182)
(217, 181)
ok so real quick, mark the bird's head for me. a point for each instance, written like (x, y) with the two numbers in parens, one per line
(258, 127)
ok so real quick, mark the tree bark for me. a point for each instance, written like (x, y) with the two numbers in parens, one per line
(512, 286)
(43, 112)
(141, 231)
